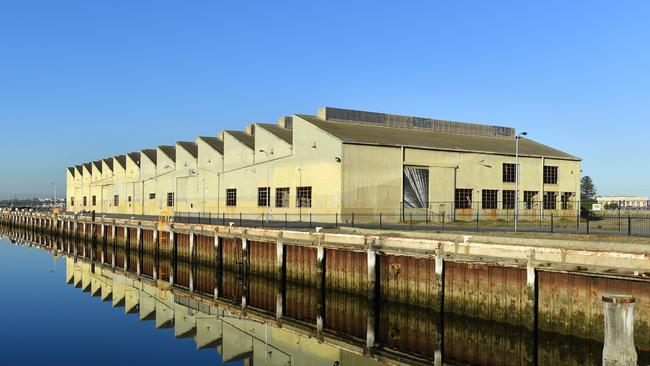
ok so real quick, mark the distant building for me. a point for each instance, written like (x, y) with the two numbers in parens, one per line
(623, 202)
(334, 164)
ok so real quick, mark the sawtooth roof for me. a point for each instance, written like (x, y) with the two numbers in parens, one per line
(98, 165)
(190, 147)
(419, 138)
(152, 154)
(135, 157)
(109, 163)
(282, 133)
(244, 138)
(214, 142)
(169, 150)
(121, 159)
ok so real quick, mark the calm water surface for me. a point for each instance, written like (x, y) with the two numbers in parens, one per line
(47, 322)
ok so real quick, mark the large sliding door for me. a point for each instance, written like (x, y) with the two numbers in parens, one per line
(416, 187)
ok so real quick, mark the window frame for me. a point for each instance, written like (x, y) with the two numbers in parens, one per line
(489, 199)
(261, 192)
(550, 174)
(509, 173)
(116, 200)
(550, 204)
(508, 199)
(282, 197)
(152, 195)
(461, 199)
(93, 200)
(304, 196)
(231, 197)
(171, 200)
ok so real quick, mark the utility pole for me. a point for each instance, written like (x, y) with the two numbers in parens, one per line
(517, 177)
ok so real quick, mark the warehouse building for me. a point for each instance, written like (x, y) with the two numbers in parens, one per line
(332, 165)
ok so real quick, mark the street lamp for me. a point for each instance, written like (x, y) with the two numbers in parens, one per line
(517, 176)
(268, 183)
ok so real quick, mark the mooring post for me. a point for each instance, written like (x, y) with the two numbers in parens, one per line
(114, 234)
(127, 247)
(439, 301)
(138, 235)
(103, 235)
(156, 253)
(245, 262)
(372, 291)
(320, 286)
(172, 246)
(531, 285)
(192, 259)
(279, 278)
(618, 347)
(217, 266)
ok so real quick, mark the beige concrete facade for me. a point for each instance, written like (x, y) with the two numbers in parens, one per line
(345, 162)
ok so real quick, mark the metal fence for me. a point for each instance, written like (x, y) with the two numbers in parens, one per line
(571, 223)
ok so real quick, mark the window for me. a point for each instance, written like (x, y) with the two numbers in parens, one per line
(263, 199)
(282, 197)
(170, 199)
(152, 196)
(303, 197)
(509, 173)
(463, 198)
(231, 197)
(71, 201)
(530, 197)
(85, 201)
(94, 200)
(550, 174)
(566, 200)
(550, 200)
(116, 200)
(508, 199)
(489, 199)
(129, 199)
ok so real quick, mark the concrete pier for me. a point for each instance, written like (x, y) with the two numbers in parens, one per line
(619, 349)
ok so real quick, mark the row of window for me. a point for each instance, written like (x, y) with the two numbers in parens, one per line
(510, 174)
(282, 194)
(303, 197)
(489, 199)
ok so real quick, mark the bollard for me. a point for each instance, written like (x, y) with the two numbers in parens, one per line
(618, 347)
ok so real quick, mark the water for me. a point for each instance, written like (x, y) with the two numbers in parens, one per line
(45, 321)
(50, 316)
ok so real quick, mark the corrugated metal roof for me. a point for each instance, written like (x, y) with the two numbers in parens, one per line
(282, 133)
(71, 170)
(135, 157)
(121, 159)
(244, 138)
(214, 142)
(152, 154)
(190, 147)
(392, 136)
(169, 150)
(98, 165)
(89, 167)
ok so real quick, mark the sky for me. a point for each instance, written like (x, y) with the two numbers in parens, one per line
(83, 80)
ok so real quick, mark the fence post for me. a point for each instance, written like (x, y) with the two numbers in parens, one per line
(336, 225)
(629, 224)
(285, 220)
(477, 218)
(223, 215)
(209, 218)
(353, 219)
(310, 219)
(551, 223)
(411, 220)
(587, 225)
(380, 221)
(240, 219)
(443, 220)
(578, 222)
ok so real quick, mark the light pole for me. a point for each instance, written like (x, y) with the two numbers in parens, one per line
(517, 176)
(268, 183)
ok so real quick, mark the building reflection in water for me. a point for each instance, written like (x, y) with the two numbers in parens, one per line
(315, 327)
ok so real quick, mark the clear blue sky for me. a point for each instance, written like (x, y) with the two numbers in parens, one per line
(82, 80)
